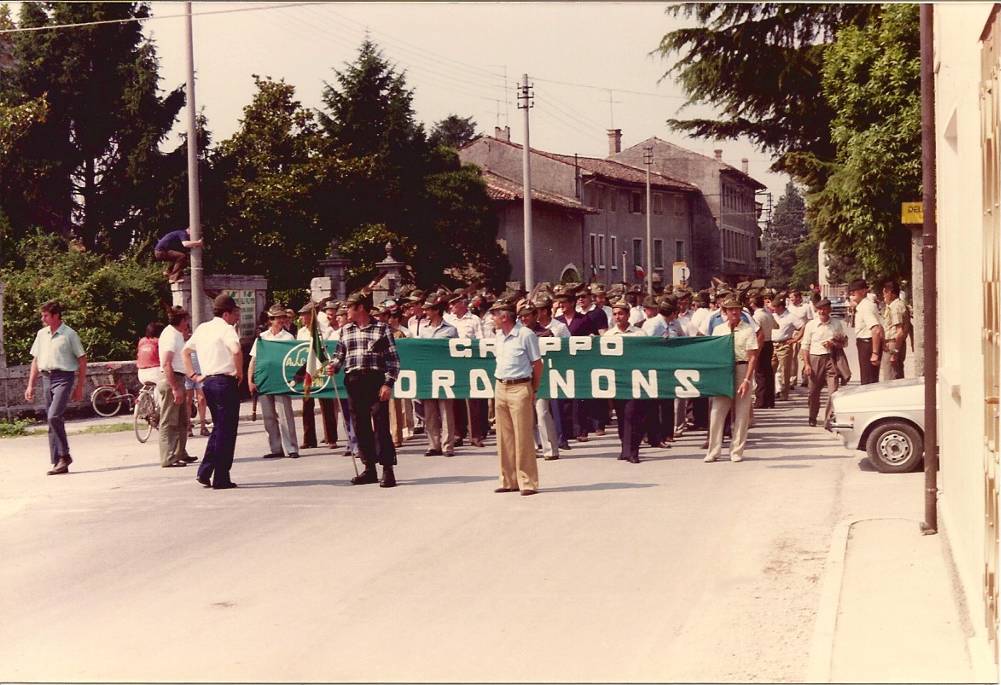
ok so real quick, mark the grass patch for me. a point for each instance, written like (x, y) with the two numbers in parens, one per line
(108, 428)
(15, 428)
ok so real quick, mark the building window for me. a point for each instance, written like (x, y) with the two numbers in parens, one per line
(600, 196)
(594, 250)
(658, 203)
(601, 252)
(679, 205)
(614, 257)
(679, 250)
(638, 251)
(612, 193)
(658, 254)
(636, 207)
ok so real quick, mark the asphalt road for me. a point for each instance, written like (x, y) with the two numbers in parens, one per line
(669, 570)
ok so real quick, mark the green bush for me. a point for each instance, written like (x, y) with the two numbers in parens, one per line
(14, 427)
(107, 301)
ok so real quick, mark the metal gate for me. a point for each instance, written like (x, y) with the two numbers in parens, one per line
(990, 131)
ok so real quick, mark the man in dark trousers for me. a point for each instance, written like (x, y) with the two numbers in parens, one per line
(173, 247)
(220, 359)
(367, 351)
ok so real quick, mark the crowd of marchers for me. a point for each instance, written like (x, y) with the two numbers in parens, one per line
(781, 339)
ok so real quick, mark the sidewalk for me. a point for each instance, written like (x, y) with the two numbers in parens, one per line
(81, 425)
(891, 610)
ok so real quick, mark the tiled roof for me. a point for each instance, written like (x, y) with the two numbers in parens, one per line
(723, 166)
(617, 171)
(609, 169)
(503, 188)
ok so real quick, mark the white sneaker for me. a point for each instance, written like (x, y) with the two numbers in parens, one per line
(709, 459)
(734, 457)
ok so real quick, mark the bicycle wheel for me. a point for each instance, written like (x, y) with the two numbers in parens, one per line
(143, 417)
(106, 400)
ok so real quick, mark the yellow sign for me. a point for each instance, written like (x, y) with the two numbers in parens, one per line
(912, 213)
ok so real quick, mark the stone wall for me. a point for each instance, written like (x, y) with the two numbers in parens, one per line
(15, 380)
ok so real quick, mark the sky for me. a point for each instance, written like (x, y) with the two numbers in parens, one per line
(462, 57)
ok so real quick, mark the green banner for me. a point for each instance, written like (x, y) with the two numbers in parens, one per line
(581, 367)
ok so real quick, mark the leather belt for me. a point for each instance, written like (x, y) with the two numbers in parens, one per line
(514, 381)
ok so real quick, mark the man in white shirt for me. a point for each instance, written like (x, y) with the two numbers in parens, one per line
(764, 377)
(634, 297)
(629, 412)
(470, 414)
(745, 351)
(784, 341)
(438, 413)
(800, 312)
(221, 360)
(654, 325)
(174, 414)
(279, 421)
(823, 337)
(868, 332)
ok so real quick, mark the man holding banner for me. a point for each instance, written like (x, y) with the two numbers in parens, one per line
(745, 353)
(367, 351)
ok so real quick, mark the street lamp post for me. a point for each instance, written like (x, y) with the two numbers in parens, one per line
(648, 160)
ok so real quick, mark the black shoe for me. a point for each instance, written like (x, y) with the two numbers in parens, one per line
(526, 493)
(505, 489)
(564, 445)
(273, 455)
(633, 459)
(388, 477)
(457, 443)
(294, 455)
(224, 486)
(433, 453)
(188, 458)
(367, 476)
(812, 422)
(204, 481)
(552, 458)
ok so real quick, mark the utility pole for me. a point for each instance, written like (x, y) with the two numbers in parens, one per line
(194, 213)
(648, 160)
(525, 102)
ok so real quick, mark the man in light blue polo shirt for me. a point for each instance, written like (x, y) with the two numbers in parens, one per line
(518, 374)
(58, 355)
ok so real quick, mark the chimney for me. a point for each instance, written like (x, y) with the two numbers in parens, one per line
(743, 165)
(719, 155)
(614, 141)
(502, 133)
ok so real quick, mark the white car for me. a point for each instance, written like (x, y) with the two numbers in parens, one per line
(886, 420)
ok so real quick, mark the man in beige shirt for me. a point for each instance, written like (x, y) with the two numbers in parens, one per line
(897, 325)
(745, 352)
(822, 338)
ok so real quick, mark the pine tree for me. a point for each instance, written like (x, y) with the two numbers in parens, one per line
(91, 168)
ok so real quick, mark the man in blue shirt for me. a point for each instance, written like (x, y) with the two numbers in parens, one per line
(518, 374)
(172, 248)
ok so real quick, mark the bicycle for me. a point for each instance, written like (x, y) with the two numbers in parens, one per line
(107, 400)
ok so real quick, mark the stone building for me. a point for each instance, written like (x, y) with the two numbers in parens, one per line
(589, 214)
(724, 214)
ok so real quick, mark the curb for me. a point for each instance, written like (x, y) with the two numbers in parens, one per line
(818, 668)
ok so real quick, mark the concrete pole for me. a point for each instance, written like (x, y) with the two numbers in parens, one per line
(526, 173)
(194, 212)
(648, 160)
(929, 244)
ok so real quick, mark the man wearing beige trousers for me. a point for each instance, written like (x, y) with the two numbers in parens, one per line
(518, 374)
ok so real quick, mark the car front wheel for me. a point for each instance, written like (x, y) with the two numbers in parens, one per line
(895, 447)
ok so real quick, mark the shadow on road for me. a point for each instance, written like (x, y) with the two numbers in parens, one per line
(599, 486)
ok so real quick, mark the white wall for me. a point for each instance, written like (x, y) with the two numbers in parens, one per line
(960, 296)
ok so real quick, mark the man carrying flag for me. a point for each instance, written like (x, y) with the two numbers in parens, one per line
(317, 357)
(367, 352)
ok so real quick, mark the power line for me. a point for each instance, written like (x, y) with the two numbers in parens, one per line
(614, 90)
(100, 22)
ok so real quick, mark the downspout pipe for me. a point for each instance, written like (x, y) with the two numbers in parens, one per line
(929, 254)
